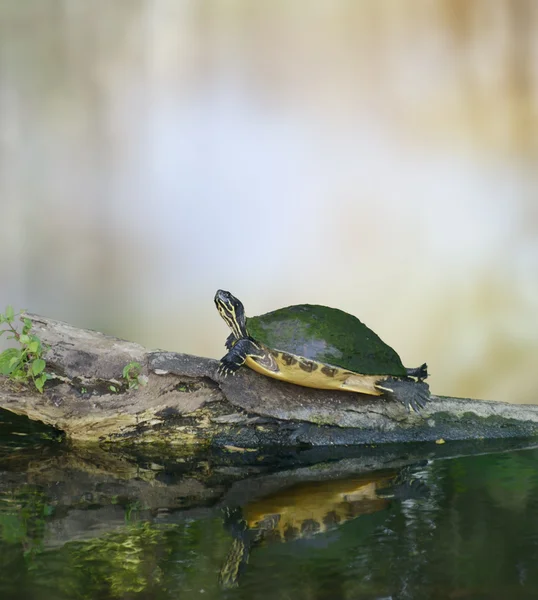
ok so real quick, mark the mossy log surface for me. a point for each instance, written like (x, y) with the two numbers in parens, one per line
(186, 402)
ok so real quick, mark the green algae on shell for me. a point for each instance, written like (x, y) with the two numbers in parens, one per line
(326, 335)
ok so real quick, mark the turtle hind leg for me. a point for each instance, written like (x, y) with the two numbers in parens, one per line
(411, 394)
(237, 355)
(420, 373)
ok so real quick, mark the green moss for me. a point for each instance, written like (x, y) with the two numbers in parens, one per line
(318, 420)
(326, 335)
(469, 425)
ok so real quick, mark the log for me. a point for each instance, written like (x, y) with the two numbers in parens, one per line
(185, 402)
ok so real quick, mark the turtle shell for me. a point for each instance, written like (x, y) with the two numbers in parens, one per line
(326, 335)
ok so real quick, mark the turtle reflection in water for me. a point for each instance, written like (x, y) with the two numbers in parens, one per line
(318, 347)
(306, 509)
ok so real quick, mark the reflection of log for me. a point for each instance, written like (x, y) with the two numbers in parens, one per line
(185, 402)
(93, 491)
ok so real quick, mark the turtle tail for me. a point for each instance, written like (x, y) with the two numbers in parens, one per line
(420, 373)
(413, 395)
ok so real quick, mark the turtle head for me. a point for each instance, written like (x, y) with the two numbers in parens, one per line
(232, 311)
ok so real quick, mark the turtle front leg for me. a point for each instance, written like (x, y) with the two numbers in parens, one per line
(230, 341)
(237, 355)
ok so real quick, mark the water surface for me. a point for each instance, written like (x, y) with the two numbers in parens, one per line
(397, 522)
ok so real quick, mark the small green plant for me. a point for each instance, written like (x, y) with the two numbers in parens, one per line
(25, 363)
(132, 374)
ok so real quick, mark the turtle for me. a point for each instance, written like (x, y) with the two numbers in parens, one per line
(309, 508)
(319, 347)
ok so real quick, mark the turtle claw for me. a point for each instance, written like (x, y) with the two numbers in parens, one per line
(224, 370)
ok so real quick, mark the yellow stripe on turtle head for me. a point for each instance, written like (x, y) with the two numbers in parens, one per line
(232, 311)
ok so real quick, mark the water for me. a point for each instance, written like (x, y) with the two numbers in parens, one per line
(425, 521)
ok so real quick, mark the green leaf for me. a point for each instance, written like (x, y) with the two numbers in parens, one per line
(27, 325)
(8, 354)
(38, 365)
(14, 360)
(113, 388)
(40, 382)
(10, 314)
(132, 370)
(35, 345)
(5, 359)
(24, 339)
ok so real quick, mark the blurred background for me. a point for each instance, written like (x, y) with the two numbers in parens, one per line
(380, 157)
